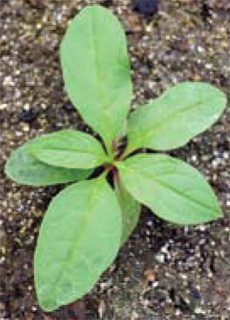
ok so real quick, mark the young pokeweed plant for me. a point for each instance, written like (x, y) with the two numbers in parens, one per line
(88, 221)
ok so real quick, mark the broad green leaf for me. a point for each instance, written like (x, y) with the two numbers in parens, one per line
(79, 238)
(96, 71)
(24, 168)
(70, 149)
(177, 116)
(174, 190)
(130, 209)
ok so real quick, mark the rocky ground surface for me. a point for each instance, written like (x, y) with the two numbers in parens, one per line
(163, 272)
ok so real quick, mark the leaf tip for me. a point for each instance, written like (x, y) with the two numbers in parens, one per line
(8, 168)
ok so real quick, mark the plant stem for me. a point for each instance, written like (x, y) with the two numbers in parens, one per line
(127, 152)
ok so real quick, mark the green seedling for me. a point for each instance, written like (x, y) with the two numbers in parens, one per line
(88, 221)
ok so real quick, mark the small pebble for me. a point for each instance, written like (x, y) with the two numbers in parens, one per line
(146, 7)
(28, 115)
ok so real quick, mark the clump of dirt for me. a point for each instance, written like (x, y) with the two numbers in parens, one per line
(184, 40)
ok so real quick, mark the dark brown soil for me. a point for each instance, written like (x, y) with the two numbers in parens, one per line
(163, 272)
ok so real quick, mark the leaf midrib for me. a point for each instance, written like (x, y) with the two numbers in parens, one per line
(73, 248)
(163, 184)
(92, 27)
(170, 117)
(67, 150)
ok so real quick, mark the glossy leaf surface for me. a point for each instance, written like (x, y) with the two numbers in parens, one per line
(95, 66)
(177, 116)
(79, 238)
(174, 190)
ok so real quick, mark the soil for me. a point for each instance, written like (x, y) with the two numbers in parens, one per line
(163, 272)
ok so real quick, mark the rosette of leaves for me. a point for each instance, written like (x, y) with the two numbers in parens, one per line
(88, 221)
